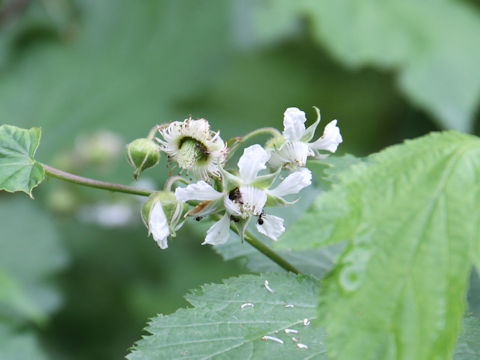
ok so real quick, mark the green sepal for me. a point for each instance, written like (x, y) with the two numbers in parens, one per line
(310, 132)
(265, 181)
(278, 201)
(142, 154)
(18, 169)
(229, 180)
(275, 143)
(242, 225)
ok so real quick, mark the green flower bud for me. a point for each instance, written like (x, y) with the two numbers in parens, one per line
(163, 214)
(142, 154)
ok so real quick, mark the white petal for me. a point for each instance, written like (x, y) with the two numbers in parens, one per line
(293, 183)
(158, 225)
(219, 232)
(253, 199)
(251, 162)
(272, 226)
(294, 124)
(233, 208)
(330, 139)
(198, 191)
(295, 153)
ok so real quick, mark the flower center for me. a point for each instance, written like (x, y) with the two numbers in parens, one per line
(191, 152)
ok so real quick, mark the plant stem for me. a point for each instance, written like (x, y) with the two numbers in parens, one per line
(239, 141)
(80, 180)
(172, 180)
(265, 250)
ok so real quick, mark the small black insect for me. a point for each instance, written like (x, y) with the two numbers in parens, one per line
(198, 218)
(234, 218)
(260, 220)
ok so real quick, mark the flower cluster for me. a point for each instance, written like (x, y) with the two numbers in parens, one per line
(262, 178)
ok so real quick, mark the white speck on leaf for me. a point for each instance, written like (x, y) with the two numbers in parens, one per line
(291, 331)
(247, 304)
(267, 286)
(306, 322)
(302, 346)
(273, 338)
(289, 306)
(295, 339)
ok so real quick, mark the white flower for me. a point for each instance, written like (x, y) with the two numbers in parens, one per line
(296, 148)
(194, 147)
(163, 215)
(246, 196)
(158, 225)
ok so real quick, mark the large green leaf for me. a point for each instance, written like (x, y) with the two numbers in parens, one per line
(434, 63)
(18, 169)
(228, 321)
(411, 215)
(19, 345)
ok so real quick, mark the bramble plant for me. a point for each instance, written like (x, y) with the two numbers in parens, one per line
(376, 268)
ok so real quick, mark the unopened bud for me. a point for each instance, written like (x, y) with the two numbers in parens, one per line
(142, 154)
(163, 214)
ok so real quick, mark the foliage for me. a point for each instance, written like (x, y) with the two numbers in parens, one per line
(409, 37)
(228, 321)
(18, 170)
(409, 215)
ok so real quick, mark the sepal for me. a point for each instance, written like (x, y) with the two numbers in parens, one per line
(142, 154)
(310, 132)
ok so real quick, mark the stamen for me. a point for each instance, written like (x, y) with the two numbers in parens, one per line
(302, 346)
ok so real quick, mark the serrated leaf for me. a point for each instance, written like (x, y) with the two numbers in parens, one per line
(315, 262)
(217, 327)
(18, 169)
(19, 345)
(468, 347)
(411, 216)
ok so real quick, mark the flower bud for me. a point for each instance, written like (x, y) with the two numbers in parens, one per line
(163, 215)
(142, 154)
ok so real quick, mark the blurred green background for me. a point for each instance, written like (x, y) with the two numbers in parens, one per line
(78, 276)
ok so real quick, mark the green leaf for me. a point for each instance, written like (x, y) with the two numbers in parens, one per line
(18, 169)
(408, 37)
(468, 346)
(218, 327)
(315, 262)
(19, 345)
(411, 216)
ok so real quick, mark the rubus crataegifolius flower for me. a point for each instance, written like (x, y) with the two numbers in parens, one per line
(293, 150)
(194, 147)
(162, 214)
(244, 196)
(142, 154)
